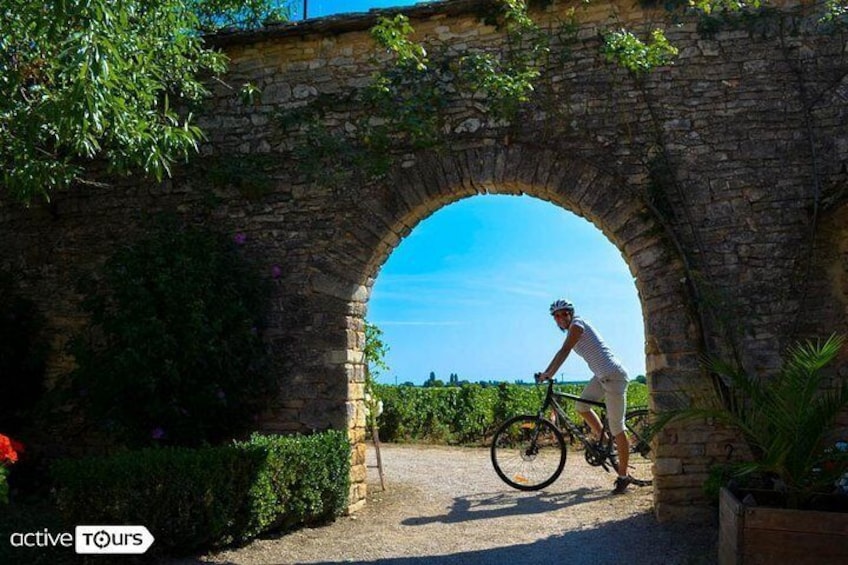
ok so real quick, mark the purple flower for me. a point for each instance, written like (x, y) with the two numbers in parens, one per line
(221, 395)
(157, 433)
(276, 272)
(240, 238)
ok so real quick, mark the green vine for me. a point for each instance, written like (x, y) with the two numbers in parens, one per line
(406, 104)
(628, 51)
(248, 174)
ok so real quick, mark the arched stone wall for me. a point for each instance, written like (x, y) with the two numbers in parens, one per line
(434, 181)
(750, 125)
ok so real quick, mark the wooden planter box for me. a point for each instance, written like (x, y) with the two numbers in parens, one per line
(773, 536)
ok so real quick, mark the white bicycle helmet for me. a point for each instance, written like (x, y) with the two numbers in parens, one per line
(561, 305)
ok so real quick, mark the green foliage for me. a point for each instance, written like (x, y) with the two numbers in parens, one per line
(836, 12)
(175, 354)
(638, 57)
(508, 79)
(375, 350)
(374, 354)
(466, 414)
(195, 498)
(87, 79)
(248, 174)
(409, 96)
(248, 93)
(332, 158)
(4, 486)
(785, 419)
(714, 6)
(406, 104)
(215, 15)
(308, 478)
(23, 354)
(393, 34)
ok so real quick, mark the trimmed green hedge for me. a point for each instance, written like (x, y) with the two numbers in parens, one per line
(196, 498)
(467, 414)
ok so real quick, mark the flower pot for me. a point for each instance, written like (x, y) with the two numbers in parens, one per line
(762, 534)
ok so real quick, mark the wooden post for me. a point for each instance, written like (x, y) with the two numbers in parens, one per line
(375, 435)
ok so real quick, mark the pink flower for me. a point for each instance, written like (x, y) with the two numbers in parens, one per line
(276, 272)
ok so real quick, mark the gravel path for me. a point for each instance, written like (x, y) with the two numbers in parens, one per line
(446, 506)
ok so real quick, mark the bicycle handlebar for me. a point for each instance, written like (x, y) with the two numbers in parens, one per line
(551, 393)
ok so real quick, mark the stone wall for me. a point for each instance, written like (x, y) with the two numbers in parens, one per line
(719, 178)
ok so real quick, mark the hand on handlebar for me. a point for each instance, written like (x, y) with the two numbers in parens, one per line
(541, 377)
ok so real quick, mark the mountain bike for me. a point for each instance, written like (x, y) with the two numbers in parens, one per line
(529, 451)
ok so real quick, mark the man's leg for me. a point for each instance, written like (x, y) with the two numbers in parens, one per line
(594, 422)
(623, 445)
(616, 400)
(592, 391)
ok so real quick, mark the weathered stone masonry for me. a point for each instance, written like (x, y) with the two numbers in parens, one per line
(711, 177)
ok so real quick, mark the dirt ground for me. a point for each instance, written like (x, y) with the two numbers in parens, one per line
(446, 506)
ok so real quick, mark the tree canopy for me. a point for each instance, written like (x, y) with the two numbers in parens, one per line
(86, 80)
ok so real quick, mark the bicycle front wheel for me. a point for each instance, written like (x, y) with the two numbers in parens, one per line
(528, 452)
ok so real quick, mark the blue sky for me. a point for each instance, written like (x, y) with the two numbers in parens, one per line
(318, 8)
(468, 291)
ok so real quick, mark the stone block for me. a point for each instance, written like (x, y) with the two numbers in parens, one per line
(666, 466)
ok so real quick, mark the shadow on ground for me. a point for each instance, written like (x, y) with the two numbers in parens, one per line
(613, 542)
(499, 505)
(632, 540)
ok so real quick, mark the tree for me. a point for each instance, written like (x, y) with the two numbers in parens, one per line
(432, 381)
(375, 350)
(83, 81)
(374, 355)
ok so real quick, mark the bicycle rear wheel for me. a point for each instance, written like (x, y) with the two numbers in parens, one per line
(636, 427)
(528, 452)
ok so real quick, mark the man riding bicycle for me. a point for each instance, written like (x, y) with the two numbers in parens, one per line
(609, 381)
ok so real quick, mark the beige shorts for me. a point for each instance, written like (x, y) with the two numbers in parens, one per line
(612, 389)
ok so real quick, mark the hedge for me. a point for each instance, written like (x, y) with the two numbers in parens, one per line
(467, 414)
(197, 498)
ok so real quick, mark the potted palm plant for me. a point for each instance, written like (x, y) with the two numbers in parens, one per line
(787, 420)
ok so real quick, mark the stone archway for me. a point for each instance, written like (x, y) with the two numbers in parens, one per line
(433, 181)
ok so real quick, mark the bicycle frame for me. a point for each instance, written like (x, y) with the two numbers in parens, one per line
(597, 453)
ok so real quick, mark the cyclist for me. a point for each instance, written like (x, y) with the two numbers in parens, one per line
(609, 381)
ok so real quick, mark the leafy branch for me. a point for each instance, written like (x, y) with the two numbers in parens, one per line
(630, 52)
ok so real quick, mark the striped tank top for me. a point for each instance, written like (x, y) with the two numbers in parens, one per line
(594, 351)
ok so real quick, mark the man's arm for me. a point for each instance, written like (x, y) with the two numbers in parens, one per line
(574, 334)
